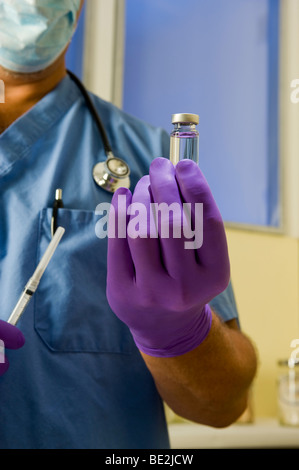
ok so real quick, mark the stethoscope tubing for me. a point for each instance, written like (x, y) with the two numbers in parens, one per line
(114, 172)
(93, 111)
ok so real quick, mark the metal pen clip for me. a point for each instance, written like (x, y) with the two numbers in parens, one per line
(56, 205)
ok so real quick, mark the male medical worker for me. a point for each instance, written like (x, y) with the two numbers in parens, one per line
(107, 338)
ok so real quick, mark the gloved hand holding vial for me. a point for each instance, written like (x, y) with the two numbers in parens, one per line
(157, 287)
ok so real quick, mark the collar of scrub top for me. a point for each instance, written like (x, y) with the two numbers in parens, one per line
(114, 172)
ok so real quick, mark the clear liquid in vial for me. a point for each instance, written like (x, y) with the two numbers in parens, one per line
(184, 144)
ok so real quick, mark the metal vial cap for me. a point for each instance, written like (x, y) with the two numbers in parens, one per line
(185, 118)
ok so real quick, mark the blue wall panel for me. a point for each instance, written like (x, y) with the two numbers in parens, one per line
(219, 59)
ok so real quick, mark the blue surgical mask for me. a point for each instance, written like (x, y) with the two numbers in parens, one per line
(34, 33)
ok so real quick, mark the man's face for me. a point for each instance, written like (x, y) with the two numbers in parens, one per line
(35, 45)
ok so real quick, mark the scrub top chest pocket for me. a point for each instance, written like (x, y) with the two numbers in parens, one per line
(71, 310)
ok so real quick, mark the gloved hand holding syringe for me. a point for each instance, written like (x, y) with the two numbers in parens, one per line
(34, 281)
(10, 336)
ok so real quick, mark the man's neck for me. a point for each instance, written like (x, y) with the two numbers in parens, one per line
(23, 91)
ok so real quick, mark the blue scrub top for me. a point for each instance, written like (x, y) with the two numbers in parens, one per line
(79, 382)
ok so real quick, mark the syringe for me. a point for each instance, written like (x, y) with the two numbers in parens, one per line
(34, 281)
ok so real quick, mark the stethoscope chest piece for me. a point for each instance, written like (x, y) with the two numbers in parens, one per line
(112, 174)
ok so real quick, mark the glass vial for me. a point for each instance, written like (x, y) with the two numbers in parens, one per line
(184, 139)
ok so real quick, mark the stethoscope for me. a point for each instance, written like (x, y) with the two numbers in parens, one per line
(114, 172)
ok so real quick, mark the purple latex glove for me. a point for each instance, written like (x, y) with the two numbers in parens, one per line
(10, 338)
(156, 286)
